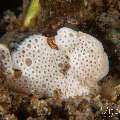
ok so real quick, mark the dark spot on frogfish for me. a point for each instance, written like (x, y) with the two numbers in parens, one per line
(17, 73)
(28, 61)
(64, 68)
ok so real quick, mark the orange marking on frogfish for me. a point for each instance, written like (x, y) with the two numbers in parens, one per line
(51, 42)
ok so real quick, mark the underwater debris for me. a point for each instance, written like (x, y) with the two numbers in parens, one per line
(5, 101)
(108, 90)
(86, 63)
(41, 107)
(8, 117)
(32, 13)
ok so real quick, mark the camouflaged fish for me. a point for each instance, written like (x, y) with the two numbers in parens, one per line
(74, 64)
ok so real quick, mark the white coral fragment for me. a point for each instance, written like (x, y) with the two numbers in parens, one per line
(75, 68)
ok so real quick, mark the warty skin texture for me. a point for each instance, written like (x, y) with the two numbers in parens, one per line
(75, 68)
